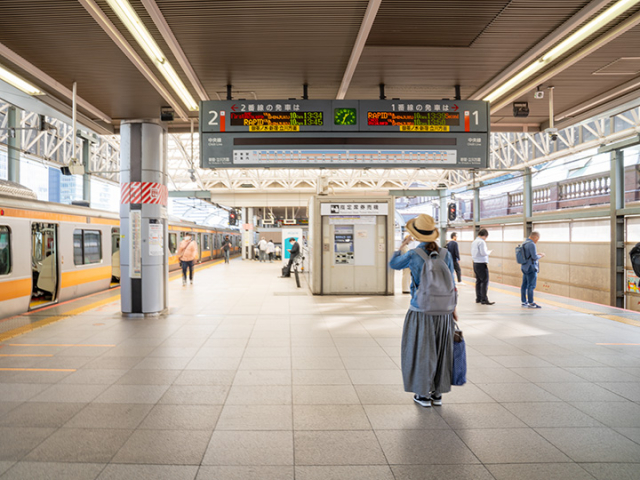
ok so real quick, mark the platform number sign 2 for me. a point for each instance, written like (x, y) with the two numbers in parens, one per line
(214, 117)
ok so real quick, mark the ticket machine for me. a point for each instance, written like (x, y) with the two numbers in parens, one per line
(351, 240)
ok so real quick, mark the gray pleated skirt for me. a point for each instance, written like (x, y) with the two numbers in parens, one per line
(427, 353)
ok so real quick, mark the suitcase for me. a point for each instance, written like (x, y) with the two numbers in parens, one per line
(285, 271)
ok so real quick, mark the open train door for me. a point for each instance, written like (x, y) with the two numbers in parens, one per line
(115, 257)
(44, 264)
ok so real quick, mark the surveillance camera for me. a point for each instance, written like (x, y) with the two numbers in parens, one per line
(553, 133)
(539, 95)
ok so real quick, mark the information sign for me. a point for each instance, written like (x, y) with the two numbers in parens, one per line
(344, 133)
(135, 244)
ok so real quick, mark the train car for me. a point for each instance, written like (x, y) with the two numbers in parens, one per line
(50, 252)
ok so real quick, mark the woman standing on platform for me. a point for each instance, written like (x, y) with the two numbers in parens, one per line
(427, 340)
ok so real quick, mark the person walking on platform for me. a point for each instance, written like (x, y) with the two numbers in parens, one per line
(226, 247)
(271, 248)
(480, 257)
(530, 270)
(452, 246)
(187, 254)
(262, 246)
(427, 338)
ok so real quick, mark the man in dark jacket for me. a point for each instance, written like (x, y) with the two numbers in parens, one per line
(530, 270)
(452, 246)
(293, 253)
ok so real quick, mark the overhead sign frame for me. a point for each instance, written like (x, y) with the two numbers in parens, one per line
(344, 134)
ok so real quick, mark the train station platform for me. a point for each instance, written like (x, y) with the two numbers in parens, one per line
(250, 377)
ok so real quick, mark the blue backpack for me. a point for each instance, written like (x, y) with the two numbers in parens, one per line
(520, 256)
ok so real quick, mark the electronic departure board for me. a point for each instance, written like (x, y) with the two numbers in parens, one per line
(344, 133)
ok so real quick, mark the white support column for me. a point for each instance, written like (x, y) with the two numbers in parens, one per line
(143, 218)
(14, 143)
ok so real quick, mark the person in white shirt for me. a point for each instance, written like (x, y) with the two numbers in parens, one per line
(271, 248)
(262, 246)
(480, 257)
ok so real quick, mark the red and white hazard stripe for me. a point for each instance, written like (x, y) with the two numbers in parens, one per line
(144, 192)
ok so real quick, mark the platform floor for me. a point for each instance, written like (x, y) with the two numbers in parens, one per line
(249, 377)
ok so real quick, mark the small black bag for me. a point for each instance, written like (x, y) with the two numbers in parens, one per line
(285, 271)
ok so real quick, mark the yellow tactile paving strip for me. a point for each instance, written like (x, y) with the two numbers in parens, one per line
(77, 311)
(615, 318)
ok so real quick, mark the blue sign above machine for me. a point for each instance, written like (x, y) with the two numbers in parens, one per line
(344, 133)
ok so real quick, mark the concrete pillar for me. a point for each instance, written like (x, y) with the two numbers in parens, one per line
(14, 144)
(527, 202)
(476, 210)
(246, 235)
(444, 217)
(617, 262)
(143, 218)
(86, 178)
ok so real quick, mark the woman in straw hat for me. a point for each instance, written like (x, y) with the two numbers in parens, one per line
(427, 340)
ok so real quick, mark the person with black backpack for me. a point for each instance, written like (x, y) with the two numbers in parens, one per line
(427, 335)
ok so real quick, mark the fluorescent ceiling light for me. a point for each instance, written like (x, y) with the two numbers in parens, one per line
(12, 79)
(563, 47)
(130, 19)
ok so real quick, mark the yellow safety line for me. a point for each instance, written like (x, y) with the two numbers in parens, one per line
(49, 320)
(24, 355)
(56, 345)
(615, 318)
(38, 369)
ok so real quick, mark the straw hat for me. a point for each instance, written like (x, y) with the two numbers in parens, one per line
(423, 228)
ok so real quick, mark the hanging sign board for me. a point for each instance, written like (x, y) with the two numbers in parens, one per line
(354, 209)
(344, 133)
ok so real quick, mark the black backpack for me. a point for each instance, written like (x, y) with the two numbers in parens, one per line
(634, 254)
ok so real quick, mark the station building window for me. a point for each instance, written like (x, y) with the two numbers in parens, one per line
(87, 247)
(173, 243)
(5, 250)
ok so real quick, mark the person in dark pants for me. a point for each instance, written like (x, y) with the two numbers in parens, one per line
(293, 253)
(530, 270)
(452, 246)
(226, 246)
(187, 254)
(480, 257)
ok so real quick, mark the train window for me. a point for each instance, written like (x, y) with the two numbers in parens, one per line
(173, 242)
(77, 247)
(87, 247)
(205, 241)
(115, 240)
(5, 251)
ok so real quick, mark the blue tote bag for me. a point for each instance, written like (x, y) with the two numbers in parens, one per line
(459, 369)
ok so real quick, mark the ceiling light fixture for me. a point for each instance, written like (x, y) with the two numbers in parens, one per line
(12, 79)
(130, 19)
(563, 47)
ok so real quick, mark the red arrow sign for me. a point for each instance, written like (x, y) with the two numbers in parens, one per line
(233, 107)
(455, 107)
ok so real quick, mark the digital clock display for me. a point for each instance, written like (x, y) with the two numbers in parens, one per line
(444, 120)
(276, 121)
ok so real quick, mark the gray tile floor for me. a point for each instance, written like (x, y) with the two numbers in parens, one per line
(248, 377)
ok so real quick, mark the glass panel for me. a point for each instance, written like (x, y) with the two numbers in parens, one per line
(173, 242)
(512, 233)
(553, 232)
(5, 251)
(92, 247)
(115, 240)
(467, 235)
(77, 247)
(591, 231)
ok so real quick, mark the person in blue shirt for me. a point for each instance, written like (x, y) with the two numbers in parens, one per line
(427, 340)
(530, 270)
